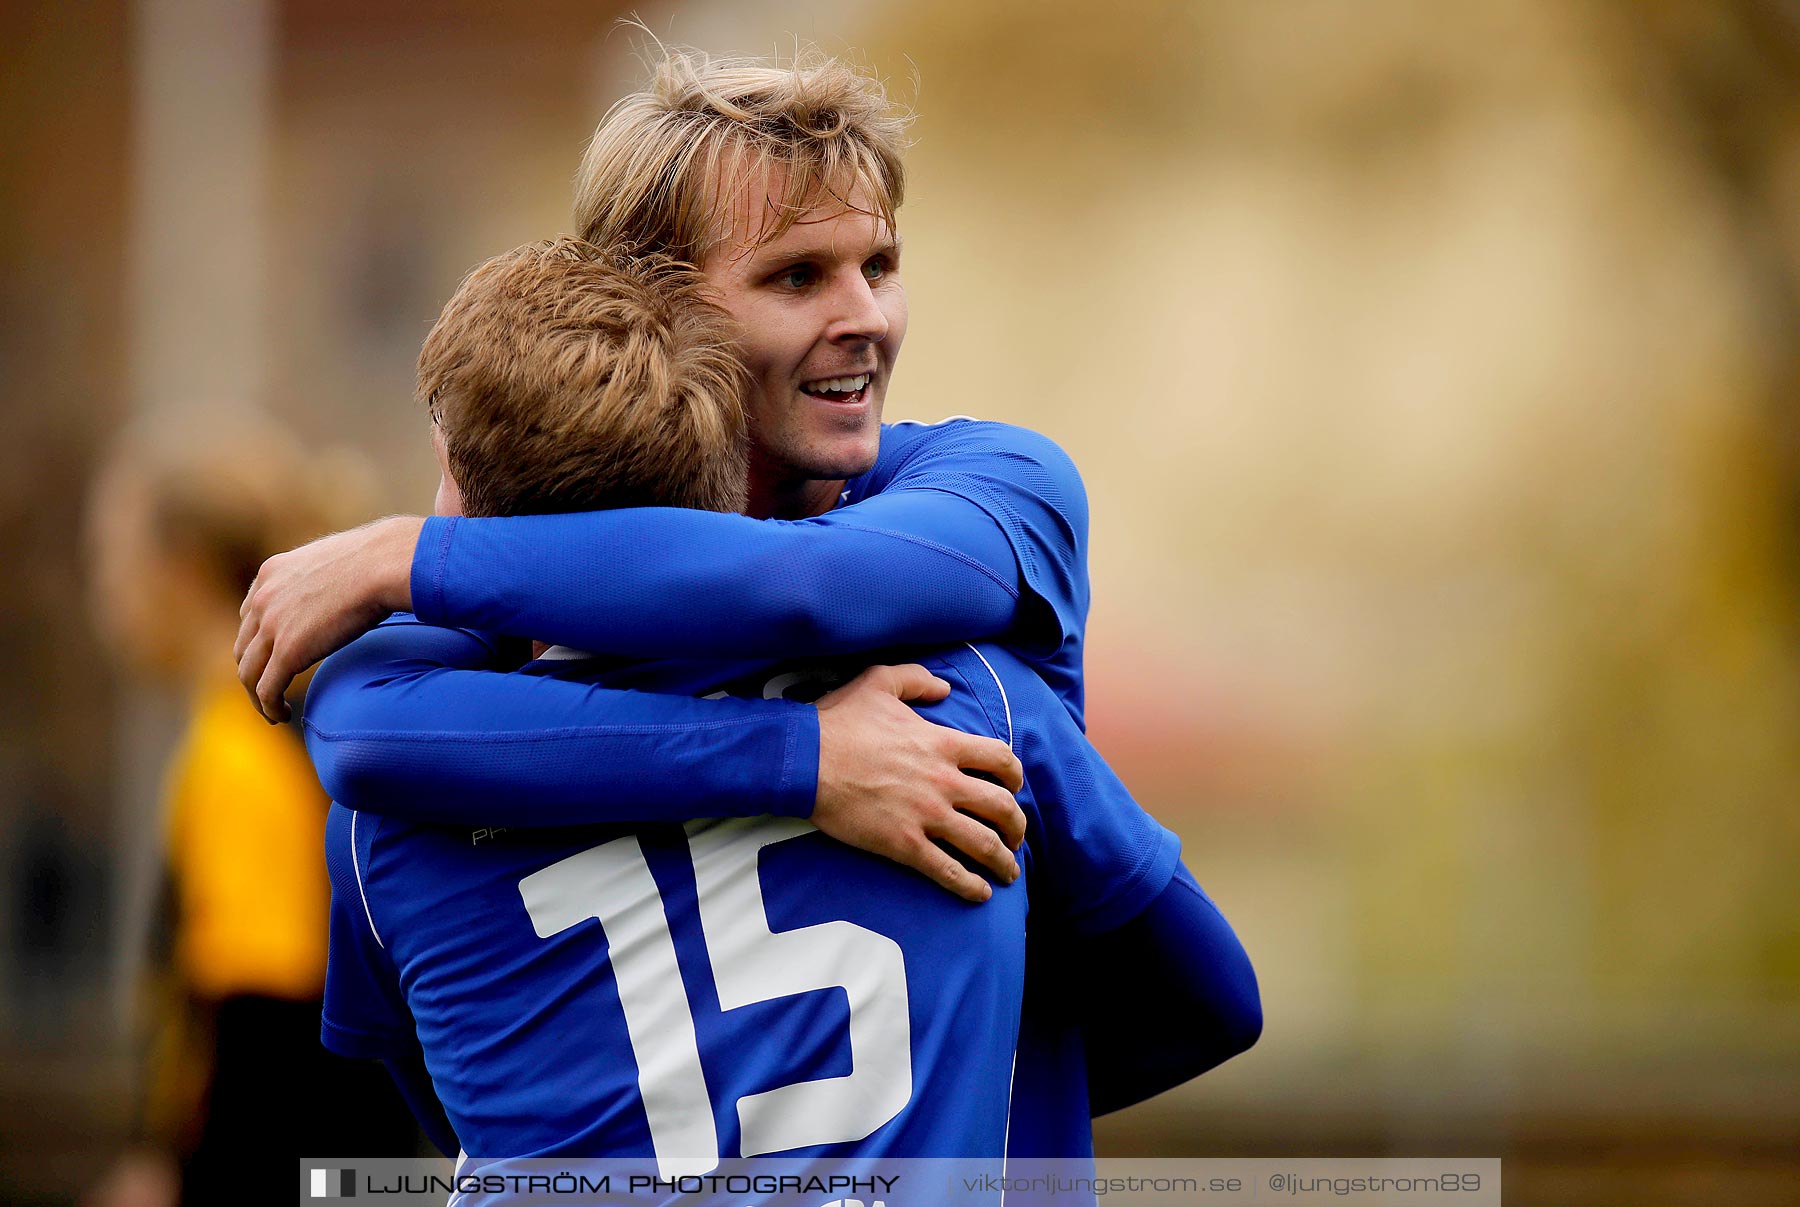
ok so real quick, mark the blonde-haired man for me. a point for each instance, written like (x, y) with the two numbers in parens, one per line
(781, 183)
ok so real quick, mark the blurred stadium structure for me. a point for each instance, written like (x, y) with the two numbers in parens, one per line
(1435, 372)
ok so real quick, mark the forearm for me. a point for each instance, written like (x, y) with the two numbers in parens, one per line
(397, 725)
(1179, 997)
(912, 568)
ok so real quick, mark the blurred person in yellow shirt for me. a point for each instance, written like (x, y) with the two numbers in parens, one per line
(236, 1082)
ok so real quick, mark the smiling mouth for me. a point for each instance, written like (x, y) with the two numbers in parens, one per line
(839, 389)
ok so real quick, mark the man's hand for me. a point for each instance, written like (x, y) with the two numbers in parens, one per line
(891, 782)
(312, 601)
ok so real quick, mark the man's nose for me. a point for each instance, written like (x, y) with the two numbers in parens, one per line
(859, 314)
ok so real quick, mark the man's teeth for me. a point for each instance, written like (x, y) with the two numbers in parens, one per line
(838, 385)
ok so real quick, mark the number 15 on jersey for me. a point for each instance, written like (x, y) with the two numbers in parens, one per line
(750, 963)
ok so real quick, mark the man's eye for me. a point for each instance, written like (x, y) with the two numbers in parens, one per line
(875, 269)
(797, 277)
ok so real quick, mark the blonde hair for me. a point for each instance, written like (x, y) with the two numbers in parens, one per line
(665, 164)
(570, 378)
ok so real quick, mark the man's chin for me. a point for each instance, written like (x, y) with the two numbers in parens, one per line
(841, 466)
(844, 454)
(828, 452)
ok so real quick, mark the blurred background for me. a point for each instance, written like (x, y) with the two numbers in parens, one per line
(1434, 374)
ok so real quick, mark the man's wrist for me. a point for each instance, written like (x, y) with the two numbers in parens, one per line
(398, 540)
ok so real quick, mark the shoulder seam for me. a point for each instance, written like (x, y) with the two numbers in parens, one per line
(945, 550)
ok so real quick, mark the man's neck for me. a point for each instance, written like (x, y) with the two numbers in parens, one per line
(795, 499)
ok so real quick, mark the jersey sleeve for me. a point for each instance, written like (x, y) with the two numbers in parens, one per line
(364, 1013)
(977, 530)
(401, 723)
(1098, 858)
(1163, 997)
(1029, 487)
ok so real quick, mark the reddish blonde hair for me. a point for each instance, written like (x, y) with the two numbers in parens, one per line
(570, 378)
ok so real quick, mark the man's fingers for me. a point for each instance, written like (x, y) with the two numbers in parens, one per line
(994, 805)
(251, 662)
(264, 679)
(980, 844)
(271, 689)
(964, 883)
(248, 627)
(988, 756)
(943, 868)
(908, 681)
(891, 783)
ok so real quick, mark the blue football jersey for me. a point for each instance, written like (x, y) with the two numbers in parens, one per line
(736, 987)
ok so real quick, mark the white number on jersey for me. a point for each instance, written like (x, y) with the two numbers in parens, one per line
(751, 963)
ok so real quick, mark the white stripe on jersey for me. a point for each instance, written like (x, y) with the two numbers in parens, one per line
(563, 653)
(1012, 1078)
(356, 864)
(923, 423)
(462, 1159)
(1007, 704)
(1013, 1075)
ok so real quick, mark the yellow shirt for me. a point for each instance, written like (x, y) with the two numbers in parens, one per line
(246, 823)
